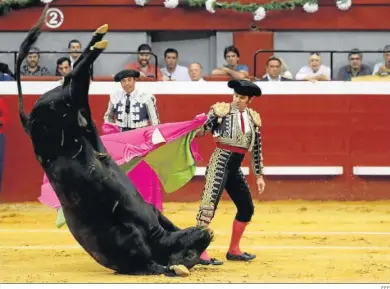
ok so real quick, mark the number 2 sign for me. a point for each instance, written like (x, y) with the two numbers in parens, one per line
(54, 18)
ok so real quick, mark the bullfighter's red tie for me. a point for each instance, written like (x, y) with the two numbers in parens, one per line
(242, 121)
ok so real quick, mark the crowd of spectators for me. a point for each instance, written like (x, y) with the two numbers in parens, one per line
(275, 67)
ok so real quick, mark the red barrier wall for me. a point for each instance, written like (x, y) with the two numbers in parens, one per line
(334, 130)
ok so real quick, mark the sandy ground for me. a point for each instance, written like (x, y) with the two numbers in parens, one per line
(295, 241)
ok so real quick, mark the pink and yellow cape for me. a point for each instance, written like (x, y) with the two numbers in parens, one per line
(161, 155)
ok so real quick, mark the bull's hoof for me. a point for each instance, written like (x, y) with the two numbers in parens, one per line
(101, 30)
(180, 270)
(100, 45)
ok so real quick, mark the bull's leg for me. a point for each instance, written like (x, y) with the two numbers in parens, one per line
(81, 75)
(139, 260)
(96, 37)
(79, 93)
(187, 245)
(81, 86)
(164, 222)
(155, 269)
(170, 271)
(190, 238)
(80, 78)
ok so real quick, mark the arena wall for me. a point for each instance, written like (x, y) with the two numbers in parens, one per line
(322, 141)
(363, 16)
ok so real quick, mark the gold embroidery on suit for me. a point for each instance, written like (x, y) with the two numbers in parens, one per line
(221, 109)
(232, 133)
(255, 117)
(214, 186)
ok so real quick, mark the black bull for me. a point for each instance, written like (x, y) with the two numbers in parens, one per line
(104, 211)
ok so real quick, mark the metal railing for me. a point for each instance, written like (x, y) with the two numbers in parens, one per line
(330, 52)
(15, 56)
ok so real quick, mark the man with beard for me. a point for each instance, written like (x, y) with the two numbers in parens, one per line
(143, 65)
(32, 68)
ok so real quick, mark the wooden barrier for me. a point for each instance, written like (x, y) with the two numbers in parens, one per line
(321, 140)
(371, 78)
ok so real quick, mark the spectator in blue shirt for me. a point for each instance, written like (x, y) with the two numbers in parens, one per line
(5, 77)
(232, 68)
(5, 73)
(354, 68)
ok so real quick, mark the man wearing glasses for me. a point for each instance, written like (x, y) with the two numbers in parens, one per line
(130, 108)
(354, 68)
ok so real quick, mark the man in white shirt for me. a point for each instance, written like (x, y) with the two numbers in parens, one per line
(130, 108)
(195, 71)
(172, 71)
(314, 71)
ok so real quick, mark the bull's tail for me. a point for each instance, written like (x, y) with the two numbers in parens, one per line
(31, 38)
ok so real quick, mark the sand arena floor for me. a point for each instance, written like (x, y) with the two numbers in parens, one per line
(295, 241)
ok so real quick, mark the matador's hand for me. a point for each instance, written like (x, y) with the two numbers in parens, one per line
(260, 184)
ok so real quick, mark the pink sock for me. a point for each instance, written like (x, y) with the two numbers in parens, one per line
(205, 256)
(238, 230)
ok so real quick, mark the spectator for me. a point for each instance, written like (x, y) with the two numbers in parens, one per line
(63, 66)
(195, 71)
(143, 64)
(383, 68)
(315, 71)
(5, 72)
(354, 68)
(173, 71)
(5, 77)
(233, 68)
(74, 47)
(274, 70)
(284, 71)
(32, 68)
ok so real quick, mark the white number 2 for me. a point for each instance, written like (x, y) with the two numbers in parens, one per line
(54, 18)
